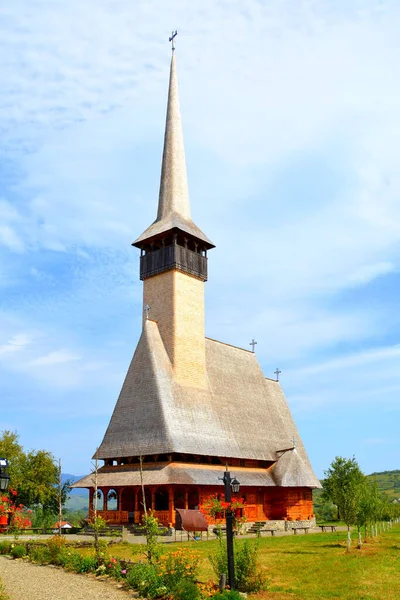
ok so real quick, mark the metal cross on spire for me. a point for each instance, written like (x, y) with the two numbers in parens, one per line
(146, 310)
(253, 344)
(172, 38)
(277, 373)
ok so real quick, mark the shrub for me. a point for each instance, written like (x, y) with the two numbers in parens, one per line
(146, 580)
(87, 564)
(249, 578)
(5, 547)
(113, 567)
(153, 548)
(187, 590)
(18, 551)
(178, 566)
(228, 595)
(39, 554)
(70, 559)
(55, 546)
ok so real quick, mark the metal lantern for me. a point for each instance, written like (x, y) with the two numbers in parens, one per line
(235, 485)
(4, 477)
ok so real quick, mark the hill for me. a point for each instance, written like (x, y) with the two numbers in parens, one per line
(78, 499)
(388, 483)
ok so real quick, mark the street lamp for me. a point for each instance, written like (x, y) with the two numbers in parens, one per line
(4, 477)
(231, 485)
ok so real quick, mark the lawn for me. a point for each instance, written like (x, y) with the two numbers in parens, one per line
(316, 566)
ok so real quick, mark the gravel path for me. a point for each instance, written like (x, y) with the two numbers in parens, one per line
(25, 581)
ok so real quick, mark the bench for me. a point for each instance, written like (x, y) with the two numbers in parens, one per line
(267, 530)
(327, 527)
(296, 529)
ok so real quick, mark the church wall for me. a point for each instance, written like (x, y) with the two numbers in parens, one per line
(273, 504)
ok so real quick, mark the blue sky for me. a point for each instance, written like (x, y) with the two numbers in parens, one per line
(291, 125)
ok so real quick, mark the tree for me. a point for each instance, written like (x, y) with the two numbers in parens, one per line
(11, 449)
(343, 485)
(369, 507)
(33, 474)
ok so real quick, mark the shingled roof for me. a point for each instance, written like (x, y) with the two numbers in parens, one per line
(240, 414)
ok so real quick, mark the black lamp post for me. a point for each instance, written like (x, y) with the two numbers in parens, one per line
(231, 485)
(4, 477)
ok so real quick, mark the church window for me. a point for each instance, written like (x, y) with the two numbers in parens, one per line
(100, 500)
(112, 500)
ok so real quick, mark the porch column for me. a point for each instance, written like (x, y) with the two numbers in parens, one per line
(153, 498)
(137, 509)
(186, 499)
(91, 498)
(171, 505)
(105, 494)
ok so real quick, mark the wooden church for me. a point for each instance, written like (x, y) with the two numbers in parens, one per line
(191, 405)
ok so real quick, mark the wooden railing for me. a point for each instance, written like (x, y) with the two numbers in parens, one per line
(113, 516)
(173, 257)
(122, 516)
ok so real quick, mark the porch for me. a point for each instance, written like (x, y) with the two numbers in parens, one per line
(125, 505)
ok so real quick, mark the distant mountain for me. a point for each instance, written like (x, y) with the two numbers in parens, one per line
(72, 478)
(388, 483)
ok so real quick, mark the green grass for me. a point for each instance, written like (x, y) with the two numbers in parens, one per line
(314, 566)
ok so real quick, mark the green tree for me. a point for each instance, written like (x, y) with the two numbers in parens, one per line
(33, 474)
(369, 507)
(343, 485)
(11, 449)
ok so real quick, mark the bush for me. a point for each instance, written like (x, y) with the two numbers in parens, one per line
(55, 546)
(187, 590)
(70, 559)
(113, 568)
(178, 566)
(87, 564)
(39, 554)
(228, 595)
(249, 578)
(5, 547)
(18, 551)
(146, 580)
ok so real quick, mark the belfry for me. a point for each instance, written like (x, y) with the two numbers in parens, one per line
(191, 405)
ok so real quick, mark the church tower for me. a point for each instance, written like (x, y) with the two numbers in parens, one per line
(173, 261)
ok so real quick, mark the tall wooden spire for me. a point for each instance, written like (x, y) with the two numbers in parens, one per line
(173, 213)
(174, 192)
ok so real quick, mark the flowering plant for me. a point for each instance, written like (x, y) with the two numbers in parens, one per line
(7, 503)
(18, 515)
(216, 509)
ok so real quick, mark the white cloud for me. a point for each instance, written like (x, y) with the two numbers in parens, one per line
(56, 357)
(360, 359)
(290, 114)
(10, 239)
(16, 343)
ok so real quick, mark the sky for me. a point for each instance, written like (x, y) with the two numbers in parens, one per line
(291, 123)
